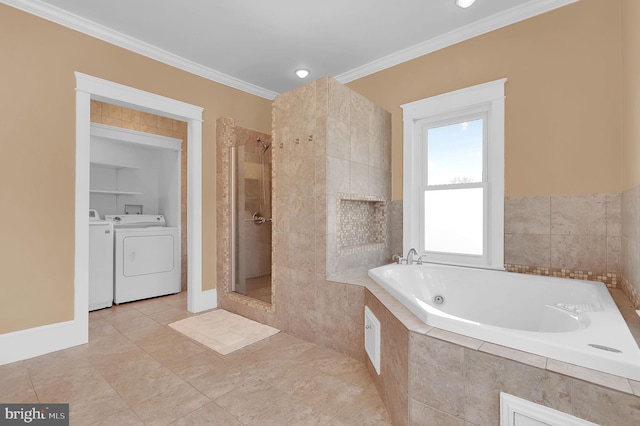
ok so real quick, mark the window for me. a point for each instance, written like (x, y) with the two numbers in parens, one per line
(454, 176)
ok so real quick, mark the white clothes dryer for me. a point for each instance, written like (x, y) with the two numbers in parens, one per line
(146, 257)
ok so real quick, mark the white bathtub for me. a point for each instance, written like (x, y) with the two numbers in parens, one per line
(569, 320)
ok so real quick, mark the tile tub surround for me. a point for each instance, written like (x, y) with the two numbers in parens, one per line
(566, 236)
(431, 376)
(569, 236)
(395, 220)
(631, 244)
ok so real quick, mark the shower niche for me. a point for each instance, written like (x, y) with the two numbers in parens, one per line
(362, 224)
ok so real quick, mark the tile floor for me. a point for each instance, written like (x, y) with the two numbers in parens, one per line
(257, 288)
(135, 370)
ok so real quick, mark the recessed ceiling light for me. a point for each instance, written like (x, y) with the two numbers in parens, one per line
(302, 73)
(464, 3)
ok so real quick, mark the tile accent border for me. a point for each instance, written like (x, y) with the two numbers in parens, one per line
(571, 232)
(631, 292)
(610, 279)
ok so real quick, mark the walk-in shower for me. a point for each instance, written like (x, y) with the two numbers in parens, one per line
(250, 218)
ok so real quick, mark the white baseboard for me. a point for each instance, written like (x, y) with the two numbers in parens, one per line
(206, 300)
(36, 341)
(32, 342)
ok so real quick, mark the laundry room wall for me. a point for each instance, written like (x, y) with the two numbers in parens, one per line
(37, 154)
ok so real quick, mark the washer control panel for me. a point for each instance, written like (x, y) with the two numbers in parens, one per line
(136, 221)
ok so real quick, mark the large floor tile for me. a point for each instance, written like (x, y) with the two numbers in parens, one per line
(147, 385)
(136, 370)
(96, 407)
(15, 384)
(251, 400)
(170, 405)
(216, 384)
(210, 414)
(189, 367)
(368, 410)
(291, 412)
(136, 366)
(70, 385)
(127, 417)
(327, 393)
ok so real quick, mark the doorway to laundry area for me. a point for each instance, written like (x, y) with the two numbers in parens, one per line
(89, 89)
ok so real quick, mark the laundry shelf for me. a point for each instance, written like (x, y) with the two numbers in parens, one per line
(112, 192)
(113, 166)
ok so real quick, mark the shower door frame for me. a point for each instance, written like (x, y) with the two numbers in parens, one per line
(233, 212)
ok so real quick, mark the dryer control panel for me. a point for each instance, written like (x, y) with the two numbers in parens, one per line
(136, 221)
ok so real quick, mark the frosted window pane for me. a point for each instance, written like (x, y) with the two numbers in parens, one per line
(455, 153)
(454, 221)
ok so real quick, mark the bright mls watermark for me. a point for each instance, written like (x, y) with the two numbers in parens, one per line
(34, 414)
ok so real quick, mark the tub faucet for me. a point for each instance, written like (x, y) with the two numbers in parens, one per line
(410, 256)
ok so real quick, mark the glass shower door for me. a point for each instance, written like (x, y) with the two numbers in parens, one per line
(251, 221)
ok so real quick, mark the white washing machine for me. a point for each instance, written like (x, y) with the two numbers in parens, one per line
(146, 257)
(100, 262)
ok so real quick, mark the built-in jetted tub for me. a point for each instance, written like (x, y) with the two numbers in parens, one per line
(569, 320)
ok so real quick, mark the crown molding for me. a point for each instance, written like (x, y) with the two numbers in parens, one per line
(85, 26)
(483, 26)
(93, 29)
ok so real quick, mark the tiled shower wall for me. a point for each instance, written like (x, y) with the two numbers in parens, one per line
(329, 142)
(358, 172)
(631, 244)
(113, 115)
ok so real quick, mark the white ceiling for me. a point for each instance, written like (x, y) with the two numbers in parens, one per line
(255, 45)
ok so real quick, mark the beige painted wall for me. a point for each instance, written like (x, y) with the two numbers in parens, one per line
(563, 97)
(564, 132)
(37, 154)
(631, 92)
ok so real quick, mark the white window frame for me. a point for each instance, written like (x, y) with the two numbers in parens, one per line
(487, 98)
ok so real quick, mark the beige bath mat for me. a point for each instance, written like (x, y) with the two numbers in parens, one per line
(223, 331)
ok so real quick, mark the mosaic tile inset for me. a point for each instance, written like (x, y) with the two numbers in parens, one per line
(610, 279)
(362, 224)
